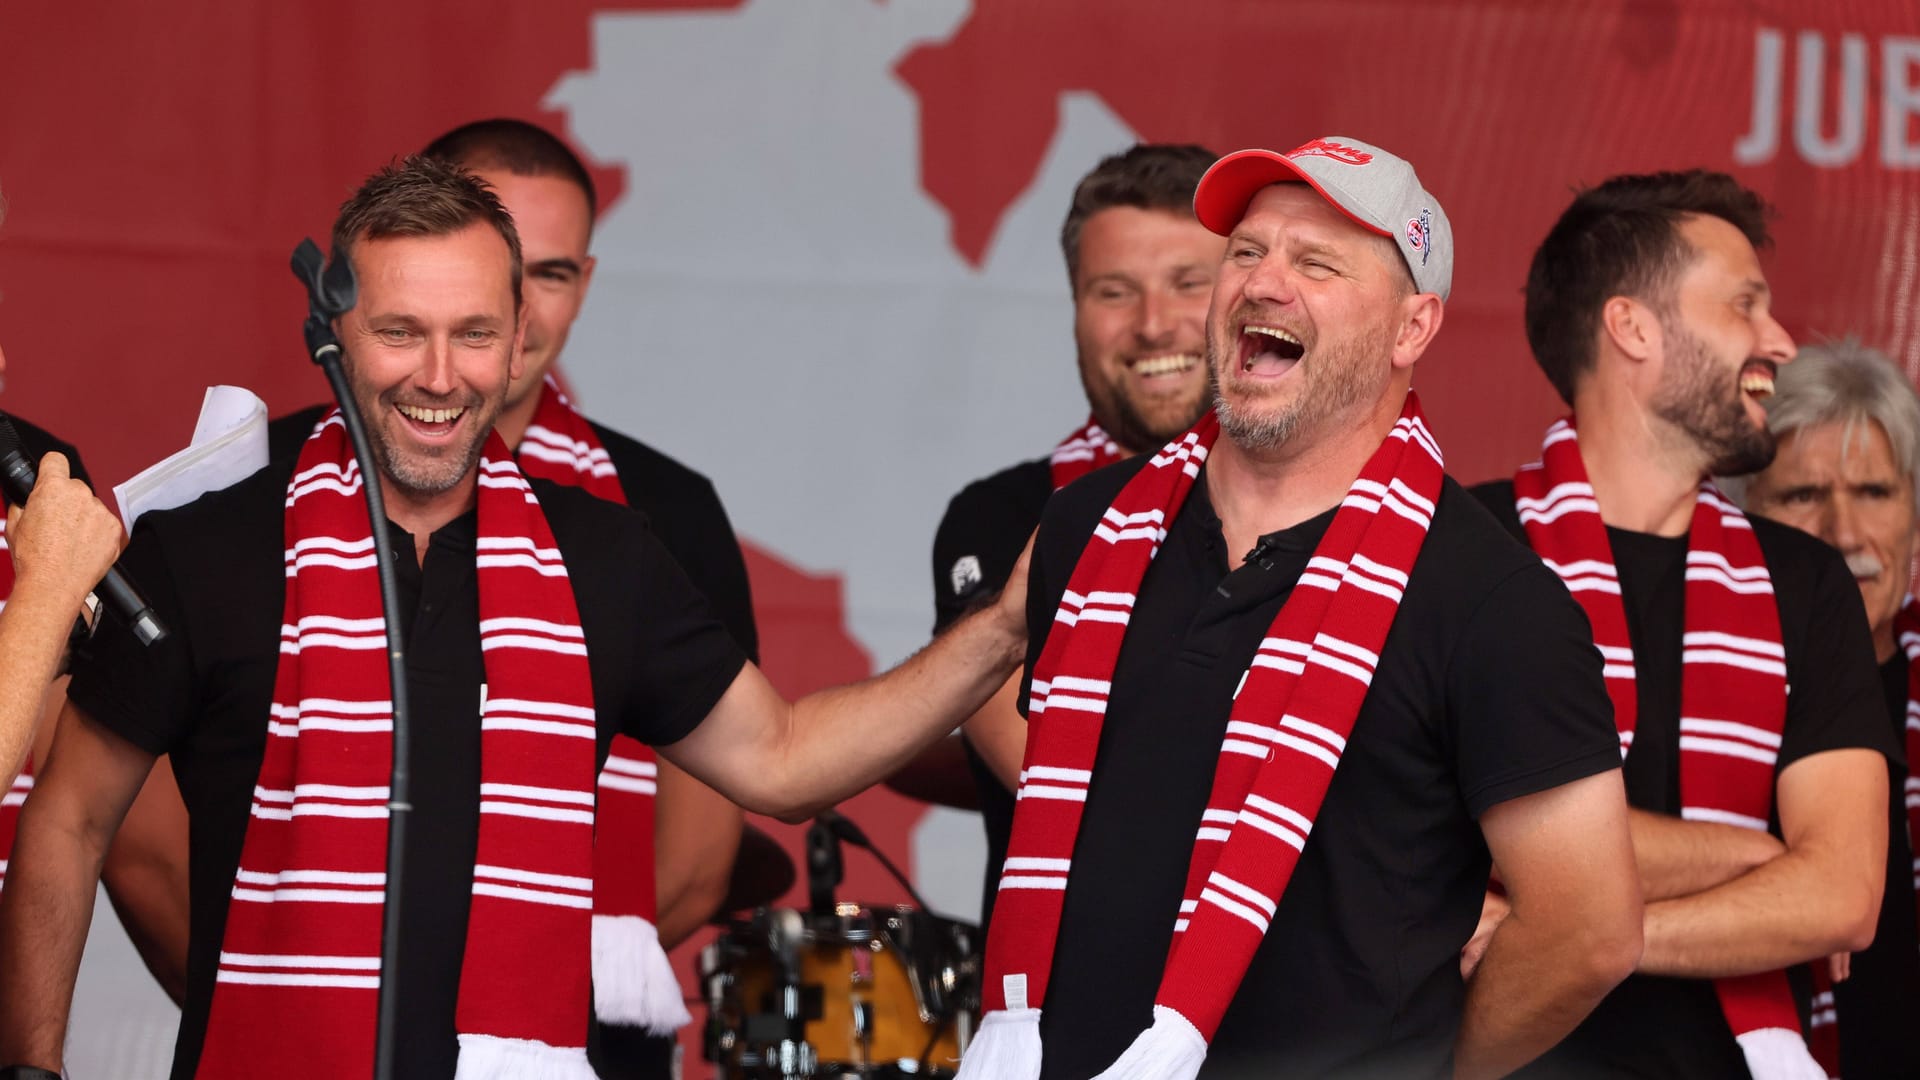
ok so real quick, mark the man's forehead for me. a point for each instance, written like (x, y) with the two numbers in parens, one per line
(1296, 205)
(1719, 245)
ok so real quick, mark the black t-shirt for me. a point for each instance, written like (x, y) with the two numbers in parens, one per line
(680, 504)
(1488, 689)
(1879, 1004)
(214, 571)
(980, 539)
(1655, 1026)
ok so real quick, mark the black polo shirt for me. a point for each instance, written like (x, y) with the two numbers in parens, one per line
(1488, 689)
(681, 506)
(980, 538)
(214, 571)
(1654, 1026)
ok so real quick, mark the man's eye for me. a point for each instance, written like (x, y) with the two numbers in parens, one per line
(1195, 284)
(394, 335)
(1875, 491)
(1799, 497)
(478, 337)
(557, 277)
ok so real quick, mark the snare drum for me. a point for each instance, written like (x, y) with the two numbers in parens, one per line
(870, 992)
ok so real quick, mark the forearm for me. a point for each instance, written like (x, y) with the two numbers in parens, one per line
(1792, 909)
(145, 875)
(33, 637)
(841, 741)
(696, 839)
(44, 913)
(1533, 986)
(1679, 858)
(998, 733)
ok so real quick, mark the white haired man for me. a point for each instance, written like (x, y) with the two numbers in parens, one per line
(1848, 425)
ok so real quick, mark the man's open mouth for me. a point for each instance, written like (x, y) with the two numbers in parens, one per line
(1756, 379)
(1268, 350)
(431, 421)
(1148, 367)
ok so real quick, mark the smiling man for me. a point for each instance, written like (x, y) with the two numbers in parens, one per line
(1848, 425)
(541, 622)
(692, 831)
(1141, 271)
(1740, 668)
(1289, 688)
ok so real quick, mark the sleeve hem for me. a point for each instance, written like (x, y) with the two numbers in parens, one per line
(1590, 762)
(695, 707)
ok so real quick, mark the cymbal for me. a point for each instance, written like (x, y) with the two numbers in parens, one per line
(939, 775)
(762, 873)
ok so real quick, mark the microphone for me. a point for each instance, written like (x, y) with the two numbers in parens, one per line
(17, 478)
(836, 825)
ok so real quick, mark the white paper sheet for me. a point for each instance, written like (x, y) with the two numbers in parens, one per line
(229, 444)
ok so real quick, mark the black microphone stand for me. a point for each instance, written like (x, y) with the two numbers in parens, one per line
(331, 293)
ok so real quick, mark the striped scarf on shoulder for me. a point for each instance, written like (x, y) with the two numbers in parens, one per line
(1733, 687)
(299, 966)
(1087, 449)
(633, 981)
(1288, 727)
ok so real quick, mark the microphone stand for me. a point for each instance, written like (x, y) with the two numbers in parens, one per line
(331, 293)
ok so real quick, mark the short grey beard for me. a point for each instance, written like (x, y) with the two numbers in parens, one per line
(1254, 433)
(422, 481)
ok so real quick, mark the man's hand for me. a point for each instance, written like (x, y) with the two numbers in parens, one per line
(1010, 607)
(65, 539)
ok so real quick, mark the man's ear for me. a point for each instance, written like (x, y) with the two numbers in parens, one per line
(1420, 318)
(517, 362)
(1632, 327)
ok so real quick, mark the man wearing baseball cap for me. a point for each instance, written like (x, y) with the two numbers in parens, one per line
(1292, 695)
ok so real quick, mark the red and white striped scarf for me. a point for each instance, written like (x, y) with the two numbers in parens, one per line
(1289, 724)
(1733, 686)
(1080, 453)
(633, 981)
(300, 963)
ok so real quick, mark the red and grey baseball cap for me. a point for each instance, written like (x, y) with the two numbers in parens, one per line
(1378, 190)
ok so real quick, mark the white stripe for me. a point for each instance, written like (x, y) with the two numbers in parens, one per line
(1234, 907)
(1346, 649)
(338, 982)
(1043, 791)
(1570, 506)
(314, 877)
(568, 796)
(1051, 772)
(1737, 730)
(539, 727)
(533, 877)
(524, 562)
(1285, 813)
(1733, 659)
(1727, 748)
(1723, 817)
(490, 642)
(538, 813)
(1033, 862)
(1245, 892)
(323, 963)
(1734, 641)
(632, 785)
(532, 896)
(1011, 881)
(495, 706)
(562, 630)
(630, 766)
(307, 896)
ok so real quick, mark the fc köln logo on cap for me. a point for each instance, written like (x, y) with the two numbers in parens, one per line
(1322, 148)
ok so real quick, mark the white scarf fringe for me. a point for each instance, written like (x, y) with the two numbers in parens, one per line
(1779, 1054)
(633, 981)
(1007, 1047)
(488, 1057)
(1171, 1049)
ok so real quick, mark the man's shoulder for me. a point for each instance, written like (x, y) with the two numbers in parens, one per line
(646, 473)
(1471, 542)
(37, 443)
(575, 516)
(1026, 484)
(1790, 550)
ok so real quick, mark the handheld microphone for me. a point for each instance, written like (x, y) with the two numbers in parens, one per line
(17, 478)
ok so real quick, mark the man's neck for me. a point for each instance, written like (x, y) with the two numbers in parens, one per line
(422, 516)
(1255, 493)
(1645, 476)
(512, 423)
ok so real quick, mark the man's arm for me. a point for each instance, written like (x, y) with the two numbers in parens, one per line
(1573, 930)
(146, 878)
(1821, 896)
(786, 760)
(78, 800)
(1679, 858)
(999, 733)
(61, 548)
(696, 835)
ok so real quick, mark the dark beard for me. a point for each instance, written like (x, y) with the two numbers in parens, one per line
(1695, 397)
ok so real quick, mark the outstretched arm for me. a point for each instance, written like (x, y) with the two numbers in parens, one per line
(787, 760)
(1573, 930)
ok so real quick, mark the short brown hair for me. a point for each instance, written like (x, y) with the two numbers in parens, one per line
(1622, 238)
(423, 196)
(1148, 176)
(518, 147)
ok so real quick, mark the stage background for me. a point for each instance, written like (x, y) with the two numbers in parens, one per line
(829, 276)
